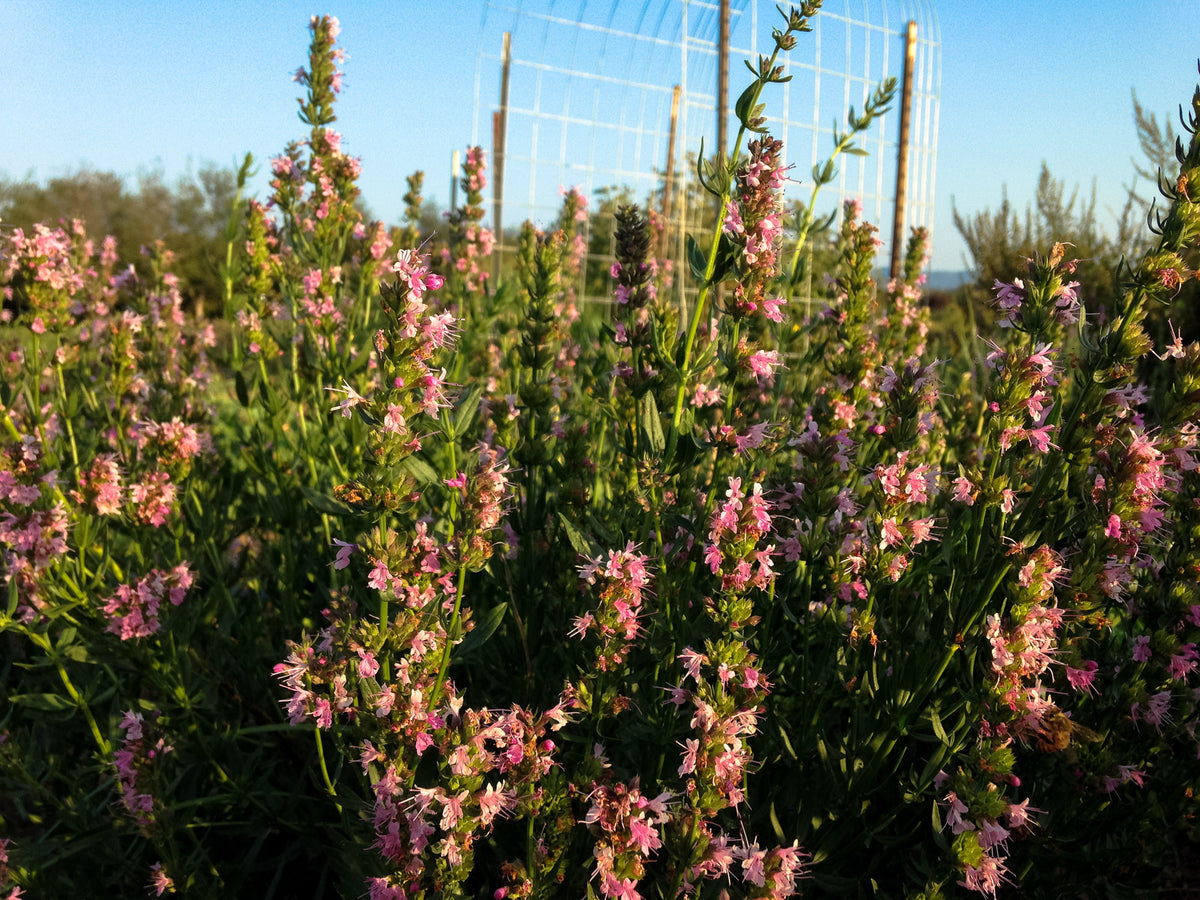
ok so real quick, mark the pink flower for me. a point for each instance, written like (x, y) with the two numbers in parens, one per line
(691, 747)
(890, 534)
(367, 664)
(494, 801)
(985, 878)
(353, 399)
(1081, 679)
(752, 865)
(763, 363)
(963, 490)
(643, 836)
(345, 550)
(380, 576)
(160, 881)
(1182, 663)
(1141, 648)
(691, 662)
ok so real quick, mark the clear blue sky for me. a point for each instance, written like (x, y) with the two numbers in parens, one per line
(142, 86)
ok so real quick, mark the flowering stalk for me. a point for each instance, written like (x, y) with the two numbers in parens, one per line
(879, 103)
(718, 182)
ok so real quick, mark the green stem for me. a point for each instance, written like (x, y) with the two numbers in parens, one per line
(450, 630)
(325, 770)
(62, 386)
(43, 641)
(702, 296)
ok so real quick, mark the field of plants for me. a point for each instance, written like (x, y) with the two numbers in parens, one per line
(400, 580)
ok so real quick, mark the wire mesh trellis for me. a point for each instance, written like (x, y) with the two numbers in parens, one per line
(591, 91)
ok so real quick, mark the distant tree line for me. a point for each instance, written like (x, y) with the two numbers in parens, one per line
(188, 216)
(999, 241)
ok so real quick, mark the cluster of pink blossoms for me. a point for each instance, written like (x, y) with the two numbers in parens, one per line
(622, 578)
(1019, 399)
(133, 611)
(753, 223)
(174, 444)
(1024, 649)
(48, 264)
(726, 703)
(495, 757)
(736, 527)
(476, 765)
(988, 828)
(627, 826)
(30, 539)
(100, 486)
(134, 762)
(1044, 297)
(471, 244)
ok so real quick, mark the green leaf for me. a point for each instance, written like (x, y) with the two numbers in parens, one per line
(369, 689)
(49, 702)
(13, 597)
(936, 721)
(696, 259)
(663, 341)
(744, 109)
(575, 537)
(324, 503)
(726, 260)
(420, 470)
(77, 652)
(650, 432)
(776, 827)
(243, 393)
(479, 635)
(787, 743)
(464, 415)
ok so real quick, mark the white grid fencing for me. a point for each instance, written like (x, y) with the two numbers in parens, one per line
(591, 88)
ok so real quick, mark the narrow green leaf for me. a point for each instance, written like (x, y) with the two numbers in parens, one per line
(420, 470)
(696, 259)
(478, 636)
(776, 827)
(324, 503)
(787, 743)
(49, 702)
(936, 721)
(243, 393)
(744, 108)
(575, 537)
(464, 415)
(650, 426)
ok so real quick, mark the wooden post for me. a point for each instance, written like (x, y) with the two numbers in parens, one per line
(898, 237)
(669, 177)
(499, 144)
(722, 108)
